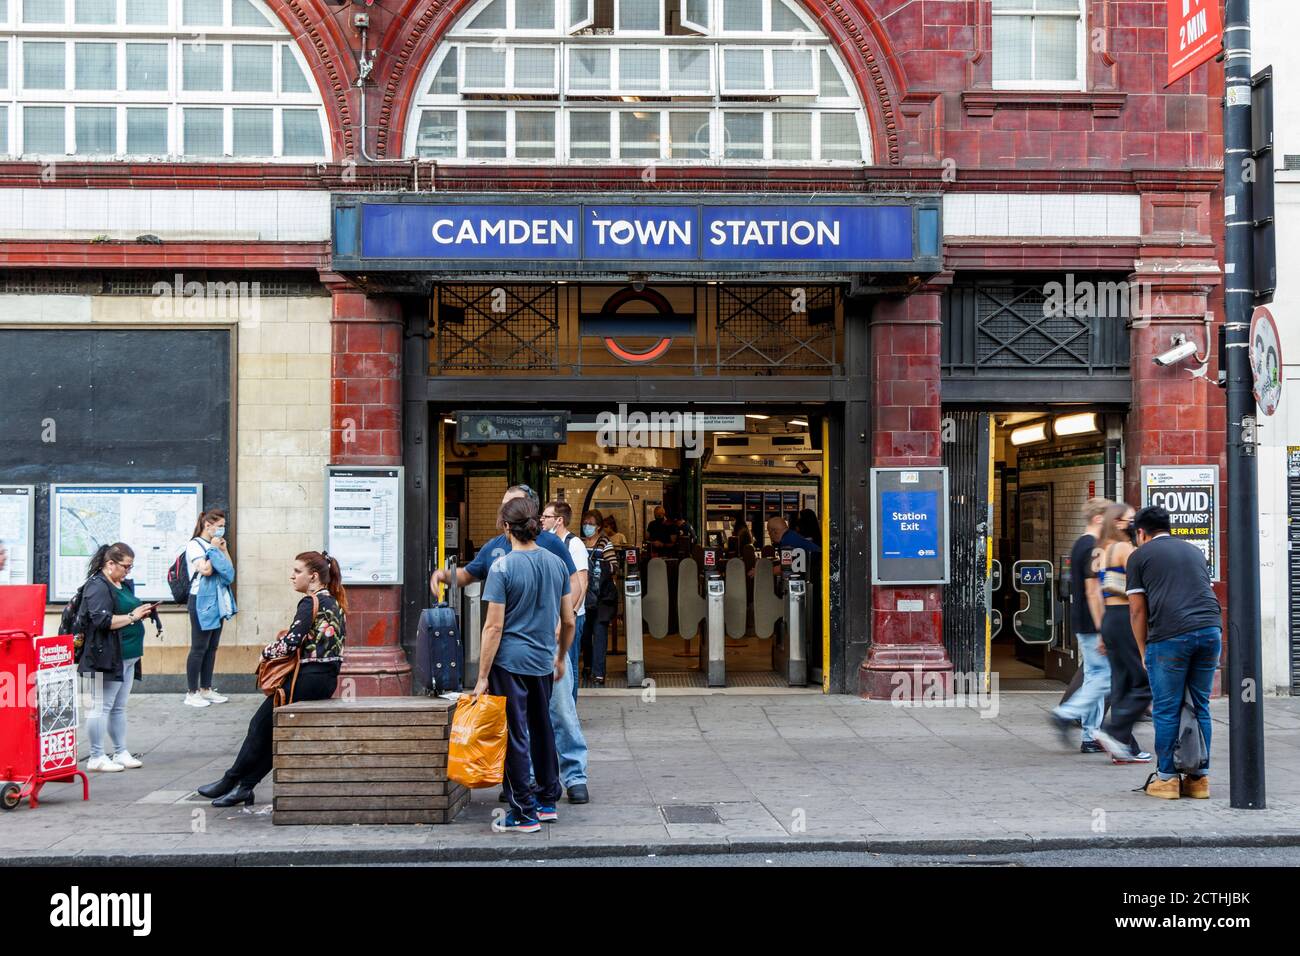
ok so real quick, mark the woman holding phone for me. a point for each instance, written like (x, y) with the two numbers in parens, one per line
(113, 647)
(210, 569)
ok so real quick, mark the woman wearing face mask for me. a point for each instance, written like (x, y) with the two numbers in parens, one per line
(210, 603)
(317, 634)
(595, 628)
(1130, 692)
(114, 644)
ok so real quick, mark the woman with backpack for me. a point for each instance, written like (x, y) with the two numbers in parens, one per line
(595, 631)
(316, 636)
(113, 643)
(210, 603)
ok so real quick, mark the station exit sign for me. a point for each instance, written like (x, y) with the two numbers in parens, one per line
(1195, 35)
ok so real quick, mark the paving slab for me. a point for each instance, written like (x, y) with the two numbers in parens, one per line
(776, 771)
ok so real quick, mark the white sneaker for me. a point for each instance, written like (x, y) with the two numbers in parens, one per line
(195, 700)
(103, 765)
(212, 697)
(126, 760)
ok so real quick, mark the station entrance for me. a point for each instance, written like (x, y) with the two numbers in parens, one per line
(1019, 480)
(696, 423)
(699, 505)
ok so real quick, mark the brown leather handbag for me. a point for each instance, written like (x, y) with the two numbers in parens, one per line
(272, 674)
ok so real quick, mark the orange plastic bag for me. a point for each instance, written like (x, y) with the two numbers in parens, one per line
(476, 751)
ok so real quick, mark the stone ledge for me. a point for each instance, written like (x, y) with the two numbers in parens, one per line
(1107, 105)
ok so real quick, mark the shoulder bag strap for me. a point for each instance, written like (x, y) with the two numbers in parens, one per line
(297, 657)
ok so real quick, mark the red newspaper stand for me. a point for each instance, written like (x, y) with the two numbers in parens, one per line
(38, 701)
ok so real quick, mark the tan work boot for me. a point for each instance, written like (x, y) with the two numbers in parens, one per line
(1164, 789)
(1198, 788)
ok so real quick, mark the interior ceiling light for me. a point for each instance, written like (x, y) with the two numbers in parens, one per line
(799, 421)
(449, 421)
(1081, 423)
(1029, 434)
(759, 418)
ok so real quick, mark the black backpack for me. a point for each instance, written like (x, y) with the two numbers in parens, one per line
(592, 596)
(73, 622)
(178, 575)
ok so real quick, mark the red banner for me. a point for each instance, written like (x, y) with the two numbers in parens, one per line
(1195, 35)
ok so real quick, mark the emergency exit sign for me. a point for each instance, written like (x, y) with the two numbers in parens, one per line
(1195, 35)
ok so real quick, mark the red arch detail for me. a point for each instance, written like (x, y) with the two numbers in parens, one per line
(315, 27)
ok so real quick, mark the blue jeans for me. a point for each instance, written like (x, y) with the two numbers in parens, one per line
(1088, 705)
(574, 650)
(110, 708)
(569, 742)
(1187, 661)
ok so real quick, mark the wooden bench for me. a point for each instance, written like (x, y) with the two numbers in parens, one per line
(367, 760)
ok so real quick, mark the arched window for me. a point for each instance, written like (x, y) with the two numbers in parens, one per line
(681, 81)
(154, 79)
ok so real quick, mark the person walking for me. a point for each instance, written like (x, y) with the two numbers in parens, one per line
(1087, 705)
(555, 520)
(1129, 691)
(569, 740)
(114, 644)
(523, 660)
(317, 635)
(595, 637)
(210, 604)
(1178, 626)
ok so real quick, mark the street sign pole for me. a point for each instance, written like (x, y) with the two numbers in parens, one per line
(1245, 678)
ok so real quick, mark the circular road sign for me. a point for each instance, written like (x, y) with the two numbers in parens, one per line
(1266, 360)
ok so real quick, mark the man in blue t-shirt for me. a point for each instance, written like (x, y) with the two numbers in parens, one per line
(782, 535)
(569, 740)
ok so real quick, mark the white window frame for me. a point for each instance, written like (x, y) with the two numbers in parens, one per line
(654, 97)
(172, 98)
(618, 15)
(1081, 49)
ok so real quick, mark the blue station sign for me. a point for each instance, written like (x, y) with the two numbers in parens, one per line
(454, 234)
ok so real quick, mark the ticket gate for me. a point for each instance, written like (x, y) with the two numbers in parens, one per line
(632, 623)
(717, 637)
(789, 656)
(471, 628)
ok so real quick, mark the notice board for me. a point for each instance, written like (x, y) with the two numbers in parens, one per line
(114, 407)
(909, 528)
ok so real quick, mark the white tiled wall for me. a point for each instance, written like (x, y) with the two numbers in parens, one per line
(1001, 214)
(266, 215)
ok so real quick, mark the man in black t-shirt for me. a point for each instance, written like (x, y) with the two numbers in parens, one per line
(1178, 624)
(1088, 704)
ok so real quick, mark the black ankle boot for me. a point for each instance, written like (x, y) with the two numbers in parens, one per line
(240, 794)
(218, 789)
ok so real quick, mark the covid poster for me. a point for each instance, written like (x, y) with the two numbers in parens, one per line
(1190, 494)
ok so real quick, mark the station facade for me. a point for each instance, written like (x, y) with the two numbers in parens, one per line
(860, 234)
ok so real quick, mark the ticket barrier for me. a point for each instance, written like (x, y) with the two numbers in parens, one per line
(471, 628)
(632, 622)
(716, 590)
(789, 656)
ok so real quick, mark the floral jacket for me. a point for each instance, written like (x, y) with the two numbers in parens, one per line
(321, 639)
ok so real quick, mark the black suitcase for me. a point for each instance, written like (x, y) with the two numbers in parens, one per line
(439, 655)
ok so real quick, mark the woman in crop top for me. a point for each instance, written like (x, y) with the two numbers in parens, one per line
(1129, 691)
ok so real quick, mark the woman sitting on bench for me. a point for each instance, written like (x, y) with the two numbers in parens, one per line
(317, 634)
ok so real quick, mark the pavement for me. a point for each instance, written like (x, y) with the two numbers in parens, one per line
(700, 774)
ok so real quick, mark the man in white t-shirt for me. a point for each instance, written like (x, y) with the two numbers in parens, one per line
(555, 519)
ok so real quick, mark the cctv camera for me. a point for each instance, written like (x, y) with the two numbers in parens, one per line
(1183, 350)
